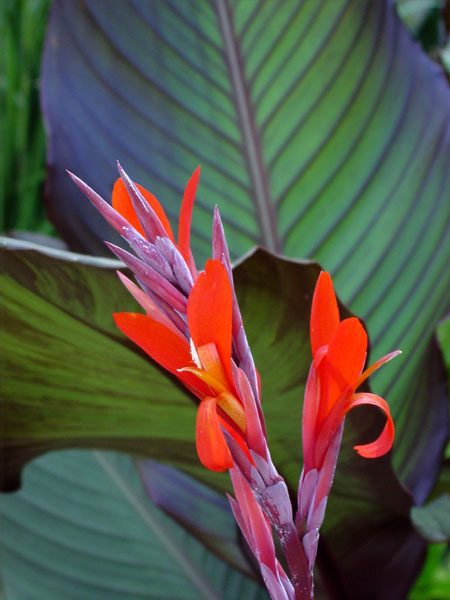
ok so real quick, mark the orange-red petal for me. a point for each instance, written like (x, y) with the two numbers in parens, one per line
(385, 440)
(121, 202)
(209, 312)
(212, 449)
(167, 348)
(324, 313)
(184, 227)
(345, 357)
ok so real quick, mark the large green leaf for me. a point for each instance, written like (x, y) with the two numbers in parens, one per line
(74, 380)
(71, 378)
(82, 528)
(322, 129)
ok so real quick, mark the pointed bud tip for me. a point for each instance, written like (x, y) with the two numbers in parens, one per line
(74, 178)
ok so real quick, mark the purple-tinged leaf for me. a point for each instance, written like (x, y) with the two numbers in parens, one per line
(201, 510)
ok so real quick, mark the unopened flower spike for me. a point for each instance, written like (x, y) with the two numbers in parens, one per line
(339, 350)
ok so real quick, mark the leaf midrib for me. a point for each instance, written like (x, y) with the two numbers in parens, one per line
(265, 213)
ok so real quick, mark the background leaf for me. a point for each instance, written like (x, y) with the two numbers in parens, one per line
(434, 581)
(323, 131)
(201, 510)
(125, 402)
(82, 527)
(73, 379)
(22, 137)
(433, 520)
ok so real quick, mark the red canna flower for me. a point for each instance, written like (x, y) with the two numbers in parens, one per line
(203, 364)
(188, 327)
(339, 351)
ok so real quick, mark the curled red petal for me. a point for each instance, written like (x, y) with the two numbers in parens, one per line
(385, 440)
(184, 228)
(121, 202)
(212, 449)
(324, 313)
(209, 312)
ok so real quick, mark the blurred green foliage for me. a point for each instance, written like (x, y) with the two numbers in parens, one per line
(22, 137)
(434, 581)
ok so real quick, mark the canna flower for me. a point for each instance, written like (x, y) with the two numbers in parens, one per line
(193, 328)
(339, 350)
(187, 328)
(203, 363)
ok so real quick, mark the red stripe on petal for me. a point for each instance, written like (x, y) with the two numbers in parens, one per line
(184, 228)
(121, 201)
(209, 312)
(212, 449)
(385, 440)
(324, 313)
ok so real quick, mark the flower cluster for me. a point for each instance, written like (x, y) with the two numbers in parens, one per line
(193, 327)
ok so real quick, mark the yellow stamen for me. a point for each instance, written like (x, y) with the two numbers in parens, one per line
(233, 408)
(216, 386)
(211, 363)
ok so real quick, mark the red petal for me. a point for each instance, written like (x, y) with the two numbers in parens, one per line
(209, 312)
(324, 313)
(212, 449)
(256, 526)
(167, 348)
(311, 405)
(184, 228)
(385, 440)
(344, 360)
(122, 203)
